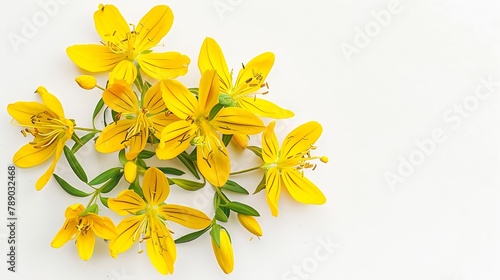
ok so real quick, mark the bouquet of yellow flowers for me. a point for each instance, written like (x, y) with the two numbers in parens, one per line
(147, 113)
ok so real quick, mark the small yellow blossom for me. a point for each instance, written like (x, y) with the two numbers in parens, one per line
(250, 223)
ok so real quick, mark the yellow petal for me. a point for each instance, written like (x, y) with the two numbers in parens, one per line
(270, 148)
(179, 99)
(224, 254)
(129, 231)
(211, 57)
(161, 247)
(74, 211)
(137, 143)
(273, 189)
(94, 58)
(112, 137)
(23, 111)
(186, 216)
(237, 120)
(130, 171)
(300, 188)
(127, 202)
(253, 75)
(250, 223)
(110, 24)
(213, 160)
(102, 226)
(155, 186)
(29, 156)
(125, 70)
(241, 140)
(85, 245)
(65, 234)
(175, 138)
(208, 94)
(51, 102)
(153, 27)
(300, 140)
(42, 181)
(264, 108)
(153, 100)
(121, 98)
(163, 66)
(162, 120)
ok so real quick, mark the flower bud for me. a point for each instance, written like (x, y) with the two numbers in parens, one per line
(130, 171)
(224, 253)
(250, 223)
(324, 159)
(86, 81)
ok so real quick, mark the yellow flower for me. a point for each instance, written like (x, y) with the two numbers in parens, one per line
(251, 78)
(224, 253)
(284, 167)
(122, 47)
(196, 128)
(83, 228)
(46, 122)
(148, 220)
(140, 120)
(250, 223)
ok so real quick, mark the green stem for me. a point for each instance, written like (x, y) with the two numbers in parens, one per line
(86, 129)
(219, 192)
(99, 87)
(244, 171)
(94, 197)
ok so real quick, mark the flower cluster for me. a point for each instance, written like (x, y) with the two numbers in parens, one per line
(153, 115)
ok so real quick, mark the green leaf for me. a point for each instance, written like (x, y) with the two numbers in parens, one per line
(121, 157)
(234, 187)
(136, 187)
(70, 189)
(93, 208)
(256, 150)
(214, 111)
(76, 139)
(220, 215)
(83, 140)
(261, 185)
(111, 184)
(171, 171)
(114, 115)
(75, 165)
(187, 184)
(226, 138)
(191, 236)
(190, 165)
(104, 176)
(145, 154)
(241, 208)
(215, 233)
(194, 91)
(97, 109)
(104, 201)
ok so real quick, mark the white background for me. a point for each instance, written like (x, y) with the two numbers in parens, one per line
(441, 223)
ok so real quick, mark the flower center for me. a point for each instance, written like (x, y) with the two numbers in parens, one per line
(46, 129)
(84, 226)
(122, 44)
(142, 125)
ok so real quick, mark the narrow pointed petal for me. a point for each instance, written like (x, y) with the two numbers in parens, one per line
(129, 231)
(163, 66)
(273, 190)
(162, 120)
(153, 27)
(250, 223)
(23, 111)
(270, 146)
(251, 78)
(175, 138)
(155, 186)
(121, 98)
(208, 94)
(241, 140)
(186, 216)
(110, 24)
(153, 100)
(73, 211)
(65, 234)
(125, 70)
(102, 226)
(300, 188)
(137, 143)
(161, 248)
(42, 181)
(85, 245)
(264, 108)
(94, 58)
(179, 99)
(211, 57)
(113, 136)
(213, 160)
(127, 202)
(51, 102)
(300, 140)
(237, 121)
(29, 156)
(224, 253)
